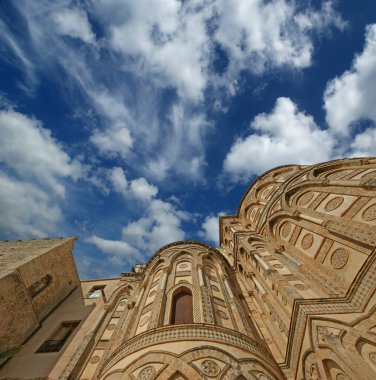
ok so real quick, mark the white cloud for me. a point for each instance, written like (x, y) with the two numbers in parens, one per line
(210, 229)
(26, 210)
(113, 141)
(118, 180)
(29, 149)
(140, 188)
(350, 97)
(285, 136)
(160, 225)
(74, 23)
(364, 144)
(148, 47)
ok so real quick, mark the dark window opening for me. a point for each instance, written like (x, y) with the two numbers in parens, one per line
(182, 308)
(59, 337)
(39, 285)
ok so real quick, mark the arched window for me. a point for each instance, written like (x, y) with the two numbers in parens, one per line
(182, 307)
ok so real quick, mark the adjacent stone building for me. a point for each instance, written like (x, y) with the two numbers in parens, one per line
(289, 294)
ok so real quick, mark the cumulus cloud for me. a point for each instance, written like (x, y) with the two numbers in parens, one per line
(364, 144)
(74, 23)
(26, 210)
(142, 189)
(285, 136)
(278, 35)
(161, 224)
(350, 97)
(138, 188)
(210, 229)
(120, 251)
(29, 149)
(113, 141)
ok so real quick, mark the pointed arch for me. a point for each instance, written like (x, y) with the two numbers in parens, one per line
(182, 307)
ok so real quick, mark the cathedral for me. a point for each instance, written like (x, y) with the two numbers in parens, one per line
(289, 294)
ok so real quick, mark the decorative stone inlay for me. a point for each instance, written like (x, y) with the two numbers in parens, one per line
(194, 332)
(264, 377)
(143, 321)
(300, 286)
(95, 359)
(307, 241)
(341, 376)
(372, 357)
(369, 174)
(369, 213)
(338, 174)
(215, 288)
(112, 326)
(210, 368)
(222, 314)
(305, 198)
(147, 373)
(333, 204)
(278, 266)
(339, 258)
(286, 229)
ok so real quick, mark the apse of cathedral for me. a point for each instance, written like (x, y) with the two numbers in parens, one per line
(289, 294)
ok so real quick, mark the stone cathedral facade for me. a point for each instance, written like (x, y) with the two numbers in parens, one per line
(289, 293)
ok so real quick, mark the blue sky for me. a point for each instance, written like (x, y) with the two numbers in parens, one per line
(132, 124)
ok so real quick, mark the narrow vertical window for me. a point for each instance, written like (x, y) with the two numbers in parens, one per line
(38, 286)
(182, 308)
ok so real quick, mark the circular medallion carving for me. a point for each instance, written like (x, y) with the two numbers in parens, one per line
(266, 191)
(264, 377)
(210, 368)
(286, 229)
(307, 241)
(143, 321)
(300, 287)
(111, 326)
(183, 266)
(372, 357)
(278, 266)
(341, 376)
(305, 198)
(369, 213)
(95, 359)
(222, 314)
(334, 204)
(339, 258)
(147, 373)
(215, 288)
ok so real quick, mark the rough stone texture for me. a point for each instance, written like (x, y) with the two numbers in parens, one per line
(22, 264)
(289, 294)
